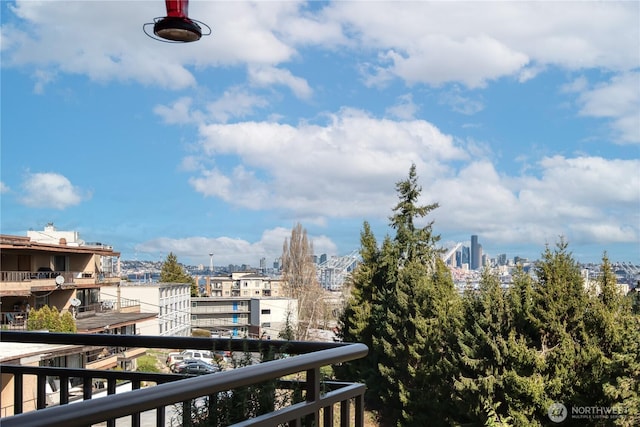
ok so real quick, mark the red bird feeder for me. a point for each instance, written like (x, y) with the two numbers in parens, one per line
(177, 27)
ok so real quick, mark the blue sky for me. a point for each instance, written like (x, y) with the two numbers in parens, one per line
(523, 120)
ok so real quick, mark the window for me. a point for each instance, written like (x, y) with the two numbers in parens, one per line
(41, 301)
(59, 263)
(265, 311)
(266, 325)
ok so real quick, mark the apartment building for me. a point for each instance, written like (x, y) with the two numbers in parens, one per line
(169, 302)
(243, 284)
(55, 272)
(58, 269)
(243, 316)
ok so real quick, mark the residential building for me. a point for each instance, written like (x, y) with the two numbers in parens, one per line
(57, 269)
(242, 304)
(243, 316)
(269, 316)
(168, 302)
(34, 274)
(243, 284)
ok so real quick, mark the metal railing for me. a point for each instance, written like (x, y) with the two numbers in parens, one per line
(319, 397)
(69, 276)
(14, 319)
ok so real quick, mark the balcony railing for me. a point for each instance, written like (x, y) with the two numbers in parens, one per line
(70, 277)
(176, 394)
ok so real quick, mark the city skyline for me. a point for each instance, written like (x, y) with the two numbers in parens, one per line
(311, 112)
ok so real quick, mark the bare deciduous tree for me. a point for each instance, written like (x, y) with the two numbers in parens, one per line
(301, 283)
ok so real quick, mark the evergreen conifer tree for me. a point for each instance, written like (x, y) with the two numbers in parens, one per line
(404, 306)
(483, 347)
(173, 272)
(615, 334)
(497, 365)
(357, 321)
(548, 339)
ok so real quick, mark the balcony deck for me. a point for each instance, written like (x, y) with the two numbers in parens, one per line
(177, 391)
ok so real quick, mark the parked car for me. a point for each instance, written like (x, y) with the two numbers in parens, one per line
(173, 358)
(203, 355)
(194, 366)
(199, 369)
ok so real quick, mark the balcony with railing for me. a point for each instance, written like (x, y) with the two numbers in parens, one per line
(17, 318)
(174, 399)
(21, 282)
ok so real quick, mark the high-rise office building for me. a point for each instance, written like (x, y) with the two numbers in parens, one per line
(476, 256)
(502, 259)
(465, 256)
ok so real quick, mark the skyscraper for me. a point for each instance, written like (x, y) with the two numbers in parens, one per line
(466, 258)
(475, 253)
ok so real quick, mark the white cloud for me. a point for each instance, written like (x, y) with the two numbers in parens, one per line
(180, 112)
(404, 109)
(577, 85)
(350, 164)
(461, 103)
(235, 103)
(618, 99)
(434, 42)
(347, 166)
(269, 76)
(191, 164)
(42, 79)
(428, 42)
(229, 250)
(50, 190)
(425, 43)
(575, 197)
(240, 187)
(442, 60)
(104, 40)
(4, 188)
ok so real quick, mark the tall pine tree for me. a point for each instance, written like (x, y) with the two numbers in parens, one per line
(404, 306)
(357, 322)
(615, 333)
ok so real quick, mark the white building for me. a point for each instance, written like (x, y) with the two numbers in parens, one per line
(171, 301)
(243, 317)
(270, 315)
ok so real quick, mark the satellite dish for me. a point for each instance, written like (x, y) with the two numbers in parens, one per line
(59, 280)
(75, 302)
